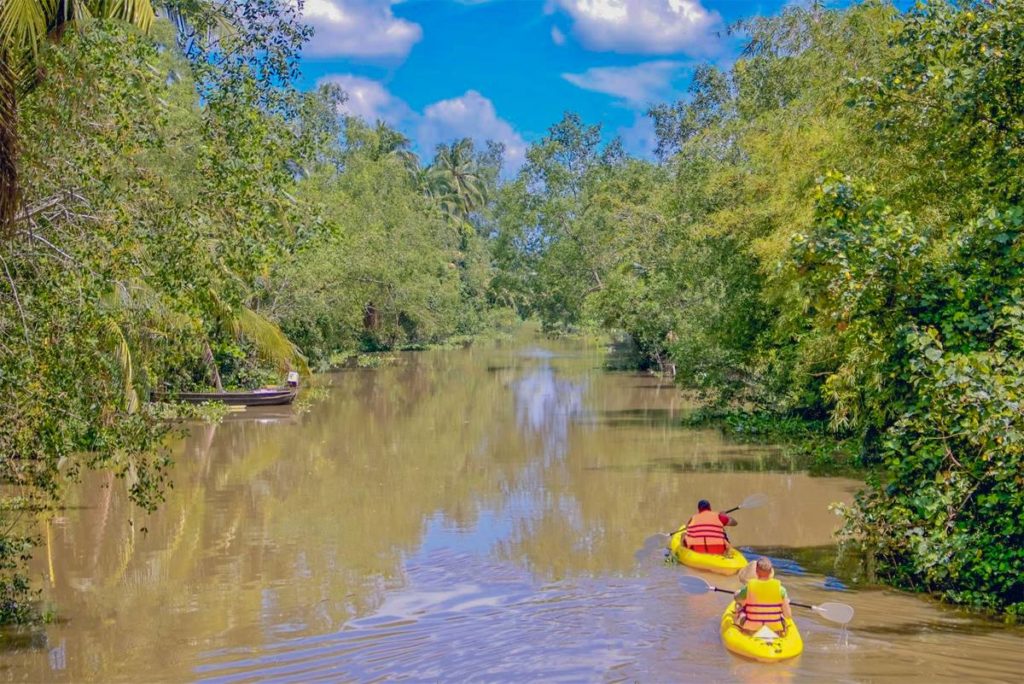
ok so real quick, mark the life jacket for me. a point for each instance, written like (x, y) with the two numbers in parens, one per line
(763, 606)
(706, 533)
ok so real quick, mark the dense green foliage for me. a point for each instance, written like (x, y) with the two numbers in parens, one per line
(24, 27)
(392, 262)
(831, 236)
(834, 235)
(188, 218)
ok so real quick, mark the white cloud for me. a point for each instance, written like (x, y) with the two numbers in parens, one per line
(470, 116)
(637, 85)
(358, 28)
(557, 36)
(369, 100)
(643, 26)
(639, 138)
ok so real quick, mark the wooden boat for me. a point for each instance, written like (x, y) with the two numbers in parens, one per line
(271, 396)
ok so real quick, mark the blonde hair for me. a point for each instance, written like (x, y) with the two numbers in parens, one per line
(764, 565)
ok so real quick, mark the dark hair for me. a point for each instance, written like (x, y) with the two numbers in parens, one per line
(703, 505)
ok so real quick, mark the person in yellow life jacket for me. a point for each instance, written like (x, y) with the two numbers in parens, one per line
(763, 601)
(705, 531)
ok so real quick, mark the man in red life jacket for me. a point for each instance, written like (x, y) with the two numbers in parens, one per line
(705, 531)
(763, 601)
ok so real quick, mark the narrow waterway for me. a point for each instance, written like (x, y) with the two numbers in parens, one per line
(464, 515)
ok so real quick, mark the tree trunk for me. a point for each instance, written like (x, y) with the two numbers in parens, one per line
(8, 147)
(211, 365)
(371, 317)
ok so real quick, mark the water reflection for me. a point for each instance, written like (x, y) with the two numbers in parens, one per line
(546, 405)
(440, 520)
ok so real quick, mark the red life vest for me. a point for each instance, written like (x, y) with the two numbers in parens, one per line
(706, 533)
(763, 605)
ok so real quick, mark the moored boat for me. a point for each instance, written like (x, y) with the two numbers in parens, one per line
(271, 396)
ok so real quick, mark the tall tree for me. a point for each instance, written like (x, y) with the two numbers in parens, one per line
(464, 187)
(24, 26)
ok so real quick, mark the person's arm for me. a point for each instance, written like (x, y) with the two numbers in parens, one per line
(727, 520)
(739, 597)
(786, 609)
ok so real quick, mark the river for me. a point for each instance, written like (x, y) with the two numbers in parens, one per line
(463, 515)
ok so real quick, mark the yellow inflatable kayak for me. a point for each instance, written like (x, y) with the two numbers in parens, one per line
(764, 650)
(729, 564)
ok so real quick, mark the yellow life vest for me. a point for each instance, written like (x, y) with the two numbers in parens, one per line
(763, 605)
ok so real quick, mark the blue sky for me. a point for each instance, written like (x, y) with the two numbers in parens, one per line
(508, 69)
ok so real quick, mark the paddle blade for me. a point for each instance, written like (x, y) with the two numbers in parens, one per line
(651, 544)
(754, 501)
(694, 585)
(835, 612)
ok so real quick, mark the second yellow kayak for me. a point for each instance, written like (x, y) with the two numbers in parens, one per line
(728, 564)
(763, 650)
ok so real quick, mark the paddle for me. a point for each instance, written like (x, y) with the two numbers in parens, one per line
(834, 612)
(752, 501)
(658, 539)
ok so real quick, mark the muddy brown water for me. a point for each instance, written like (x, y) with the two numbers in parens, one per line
(466, 515)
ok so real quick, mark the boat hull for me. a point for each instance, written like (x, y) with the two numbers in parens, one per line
(765, 651)
(276, 397)
(728, 564)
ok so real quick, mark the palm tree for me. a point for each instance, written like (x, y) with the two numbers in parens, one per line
(389, 141)
(457, 169)
(24, 26)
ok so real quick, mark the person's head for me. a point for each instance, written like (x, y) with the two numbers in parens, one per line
(764, 568)
(703, 505)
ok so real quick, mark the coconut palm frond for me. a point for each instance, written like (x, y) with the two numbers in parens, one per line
(459, 184)
(137, 12)
(124, 360)
(271, 342)
(220, 309)
(23, 27)
(199, 24)
(139, 296)
(73, 10)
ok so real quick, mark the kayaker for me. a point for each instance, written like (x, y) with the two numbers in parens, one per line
(705, 531)
(749, 572)
(763, 601)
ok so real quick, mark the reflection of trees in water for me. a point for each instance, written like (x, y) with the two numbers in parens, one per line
(314, 515)
(546, 405)
(316, 518)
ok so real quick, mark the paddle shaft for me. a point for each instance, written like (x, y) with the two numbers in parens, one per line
(736, 508)
(792, 603)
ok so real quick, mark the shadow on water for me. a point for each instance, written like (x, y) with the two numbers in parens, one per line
(22, 638)
(768, 463)
(837, 572)
(638, 418)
